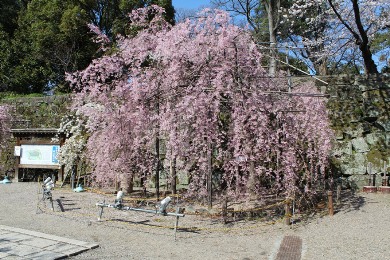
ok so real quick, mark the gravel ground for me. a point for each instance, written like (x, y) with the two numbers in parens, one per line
(359, 230)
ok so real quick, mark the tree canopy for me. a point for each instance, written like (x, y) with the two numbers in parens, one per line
(198, 87)
(327, 35)
(41, 40)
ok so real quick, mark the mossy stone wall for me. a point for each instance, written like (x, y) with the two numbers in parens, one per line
(38, 112)
(359, 109)
(32, 112)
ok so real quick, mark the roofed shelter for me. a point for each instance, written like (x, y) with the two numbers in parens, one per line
(37, 148)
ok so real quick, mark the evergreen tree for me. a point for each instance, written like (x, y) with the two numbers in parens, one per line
(50, 38)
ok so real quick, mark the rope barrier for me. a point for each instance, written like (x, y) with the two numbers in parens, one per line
(222, 229)
(192, 228)
(61, 214)
(239, 211)
(222, 213)
(177, 196)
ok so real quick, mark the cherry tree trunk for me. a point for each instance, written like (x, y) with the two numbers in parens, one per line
(369, 64)
(272, 39)
(173, 175)
(126, 183)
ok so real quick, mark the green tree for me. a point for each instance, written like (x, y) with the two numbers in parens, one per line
(264, 17)
(8, 23)
(8, 15)
(5, 55)
(111, 16)
(381, 48)
(51, 37)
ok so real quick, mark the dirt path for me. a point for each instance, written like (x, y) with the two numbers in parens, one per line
(359, 230)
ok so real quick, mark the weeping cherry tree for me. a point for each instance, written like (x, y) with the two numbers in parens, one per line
(200, 87)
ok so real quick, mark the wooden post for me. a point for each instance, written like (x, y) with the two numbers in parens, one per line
(287, 212)
(17, 162)
(384, 181)
(177, 220)
(330, 203)
(16, 177)
(61, 169)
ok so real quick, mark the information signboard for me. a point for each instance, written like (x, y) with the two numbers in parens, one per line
(39, 154)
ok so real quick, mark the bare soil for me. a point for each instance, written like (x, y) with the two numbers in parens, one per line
(358, 230)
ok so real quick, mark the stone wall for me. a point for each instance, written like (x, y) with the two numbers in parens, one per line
(359, 110)
(38, 112)
(32, 112)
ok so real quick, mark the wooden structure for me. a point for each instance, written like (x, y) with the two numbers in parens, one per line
(33, 146)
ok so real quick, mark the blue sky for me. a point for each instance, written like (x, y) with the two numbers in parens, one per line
(190, 4)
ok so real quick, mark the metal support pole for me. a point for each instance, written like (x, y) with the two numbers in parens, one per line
(161, 211)
(51, 202)
(119, 206)
(101, 211)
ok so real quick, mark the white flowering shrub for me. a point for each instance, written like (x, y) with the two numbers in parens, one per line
(72, 151)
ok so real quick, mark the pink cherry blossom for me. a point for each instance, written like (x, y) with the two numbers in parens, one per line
(199, 87)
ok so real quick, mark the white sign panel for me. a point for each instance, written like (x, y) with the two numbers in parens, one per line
(39, 154)
(17, 151)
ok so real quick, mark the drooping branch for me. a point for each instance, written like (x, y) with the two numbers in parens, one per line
(215, 102)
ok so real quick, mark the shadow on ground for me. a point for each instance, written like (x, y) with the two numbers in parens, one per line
(350, 201)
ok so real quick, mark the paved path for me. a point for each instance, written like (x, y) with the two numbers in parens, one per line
(17, 243)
